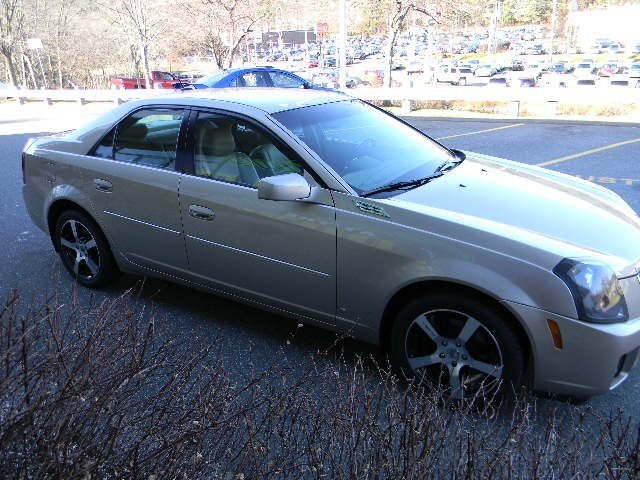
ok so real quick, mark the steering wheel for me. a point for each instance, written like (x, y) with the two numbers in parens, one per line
(366, 144)
(361, 151)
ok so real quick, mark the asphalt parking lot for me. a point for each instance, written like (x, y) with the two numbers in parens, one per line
(606, 154)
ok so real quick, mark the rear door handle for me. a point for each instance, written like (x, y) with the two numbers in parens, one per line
(103, 185)
(200, 212)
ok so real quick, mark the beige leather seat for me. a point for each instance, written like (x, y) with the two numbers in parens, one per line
(216, 155)
(269, 160)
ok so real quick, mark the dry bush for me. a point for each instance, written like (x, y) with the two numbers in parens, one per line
(600, 110)
(102, 391)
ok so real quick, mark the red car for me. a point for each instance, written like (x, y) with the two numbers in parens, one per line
(158, 80)
(608, 69)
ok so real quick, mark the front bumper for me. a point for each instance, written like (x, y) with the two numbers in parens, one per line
(593, 360)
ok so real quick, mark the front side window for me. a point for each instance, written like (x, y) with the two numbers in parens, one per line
(146, 137)
(365, 146)
(254, 79)
(233, 151)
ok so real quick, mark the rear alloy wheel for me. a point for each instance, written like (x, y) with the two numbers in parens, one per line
(458, 344)
(462, 82)
(84, 250)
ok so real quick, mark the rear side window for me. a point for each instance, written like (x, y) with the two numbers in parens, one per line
(282, 80)
(146, 137)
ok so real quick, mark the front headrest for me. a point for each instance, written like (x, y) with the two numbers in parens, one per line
(215, 140)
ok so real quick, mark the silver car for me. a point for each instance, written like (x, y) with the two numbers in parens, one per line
(470, 270)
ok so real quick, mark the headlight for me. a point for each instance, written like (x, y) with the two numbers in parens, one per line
(595, 289)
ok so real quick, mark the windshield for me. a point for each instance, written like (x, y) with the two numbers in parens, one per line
(211, 80)
(365, 146)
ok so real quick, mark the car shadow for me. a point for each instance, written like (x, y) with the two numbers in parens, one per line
(188, 311)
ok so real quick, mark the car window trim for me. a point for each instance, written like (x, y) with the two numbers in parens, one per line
(277, 141)
(114, 128)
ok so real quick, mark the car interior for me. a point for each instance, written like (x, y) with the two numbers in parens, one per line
(224, 149)
(148, 137)
(229, 150)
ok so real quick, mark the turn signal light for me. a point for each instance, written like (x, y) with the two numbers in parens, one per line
(555, 333)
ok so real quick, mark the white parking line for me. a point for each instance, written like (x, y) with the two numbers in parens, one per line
(587, 152)
(480, 131)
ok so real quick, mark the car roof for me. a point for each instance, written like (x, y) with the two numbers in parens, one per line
(269, 100)
(257, 67)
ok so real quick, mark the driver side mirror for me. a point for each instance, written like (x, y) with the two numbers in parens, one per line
(287, 187)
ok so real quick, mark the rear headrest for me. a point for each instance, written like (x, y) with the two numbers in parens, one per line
(215, 140)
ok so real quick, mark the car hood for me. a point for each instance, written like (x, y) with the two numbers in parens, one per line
(535, 205)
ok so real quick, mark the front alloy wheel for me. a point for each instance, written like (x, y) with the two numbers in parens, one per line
(466, 356)
(458, 344)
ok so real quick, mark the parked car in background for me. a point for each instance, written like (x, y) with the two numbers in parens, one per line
(615, 48)
(560, 67)
(485, 70)
(330, 79)
(537, 49)
(498, 81)
(254, 77)
(454, 75)
(585, 69)
(608, 69)
(581, 81)
(328, 61)
(159, 79)
(415, 66)
(521, 80)
(188, 77)
(601, 45)
(326, 209)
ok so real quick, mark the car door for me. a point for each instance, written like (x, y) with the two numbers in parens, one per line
(280, 253)
(131, 179)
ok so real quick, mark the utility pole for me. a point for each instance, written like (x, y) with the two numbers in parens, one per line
(497, 14)
(554, 22)
(343, 43)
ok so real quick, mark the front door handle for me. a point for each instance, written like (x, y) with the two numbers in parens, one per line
(103, 185)
(200, 212)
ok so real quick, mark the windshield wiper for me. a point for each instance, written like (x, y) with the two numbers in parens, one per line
(449, 164)
(406, 185)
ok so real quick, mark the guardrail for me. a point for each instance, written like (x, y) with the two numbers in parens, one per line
(408, 97)
(80, 96)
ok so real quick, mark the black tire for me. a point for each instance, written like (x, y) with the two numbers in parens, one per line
(447, 316)
(91, 263)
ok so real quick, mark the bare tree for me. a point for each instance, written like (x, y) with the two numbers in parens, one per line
(63, 10)
(225, 25)
(136, 19)
(397, 16)
(11, 33)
